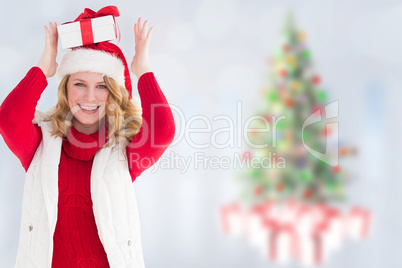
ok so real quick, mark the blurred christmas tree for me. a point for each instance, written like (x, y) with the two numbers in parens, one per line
(279, 167)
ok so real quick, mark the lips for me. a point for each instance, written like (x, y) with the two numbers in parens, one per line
(88, 108)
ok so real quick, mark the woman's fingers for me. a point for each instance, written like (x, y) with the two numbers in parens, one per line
(140, 62)
(47, 35)
(55, 35)
(142, 35)
(136, 32)
(55, 29)
(139, 26)
(144, 30)
(140, 30)
(149, 35)
(51, 35)
(51, 29)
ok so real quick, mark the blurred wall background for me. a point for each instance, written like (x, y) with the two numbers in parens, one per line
(206, 56)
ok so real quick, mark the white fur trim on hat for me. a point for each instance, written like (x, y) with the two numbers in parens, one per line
(90, 60)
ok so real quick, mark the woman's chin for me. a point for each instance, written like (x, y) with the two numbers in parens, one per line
(87, 120)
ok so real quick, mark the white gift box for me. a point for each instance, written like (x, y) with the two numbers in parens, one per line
(255, 231)
(87, 31)
(358, 223)
(233, 220)
(284, 247)
(312, 252)
(258, 232)
(309, 234)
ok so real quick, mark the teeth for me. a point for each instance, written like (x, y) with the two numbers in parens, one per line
(88, 108)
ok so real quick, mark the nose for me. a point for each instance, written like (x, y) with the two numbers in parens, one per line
(90, 95)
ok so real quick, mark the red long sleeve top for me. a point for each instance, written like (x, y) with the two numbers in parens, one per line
(76, 240)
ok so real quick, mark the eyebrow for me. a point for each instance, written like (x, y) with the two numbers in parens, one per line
(77, 79)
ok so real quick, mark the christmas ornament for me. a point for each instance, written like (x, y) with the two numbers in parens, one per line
(336, 169)
(305, 54)
(316, 80)
(322, 96)
(302, 36)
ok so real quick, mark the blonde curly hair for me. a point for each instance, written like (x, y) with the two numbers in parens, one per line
(123, 118)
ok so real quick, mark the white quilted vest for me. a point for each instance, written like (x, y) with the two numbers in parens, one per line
(114, 206)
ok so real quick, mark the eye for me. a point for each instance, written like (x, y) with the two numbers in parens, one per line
(79, 85)
(102, 86)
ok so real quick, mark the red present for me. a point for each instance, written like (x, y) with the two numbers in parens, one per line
(90, 27)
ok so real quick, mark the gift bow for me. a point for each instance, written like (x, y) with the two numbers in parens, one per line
(90, 14)
(85, 23)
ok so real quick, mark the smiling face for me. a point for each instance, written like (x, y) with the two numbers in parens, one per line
(87, 98)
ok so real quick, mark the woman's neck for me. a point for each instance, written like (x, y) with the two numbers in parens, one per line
(88, 129)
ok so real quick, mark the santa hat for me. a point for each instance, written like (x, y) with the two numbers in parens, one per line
(104, 57)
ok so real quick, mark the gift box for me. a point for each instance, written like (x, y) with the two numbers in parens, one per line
(315, 237)
(87, 31)
(257, 232)
(309, 234)
(282, 242)
(358, 223)
(232, 219)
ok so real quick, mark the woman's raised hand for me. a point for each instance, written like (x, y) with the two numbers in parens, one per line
(47, 61)
(140, 63)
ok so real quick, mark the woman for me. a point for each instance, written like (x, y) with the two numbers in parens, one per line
(79, 207)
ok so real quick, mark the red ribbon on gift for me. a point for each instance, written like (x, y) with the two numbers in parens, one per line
(278, 228)
(226, 211)
(85, 22)
(365, 216)
(90, 14)
(86, 32)
(317, 236)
